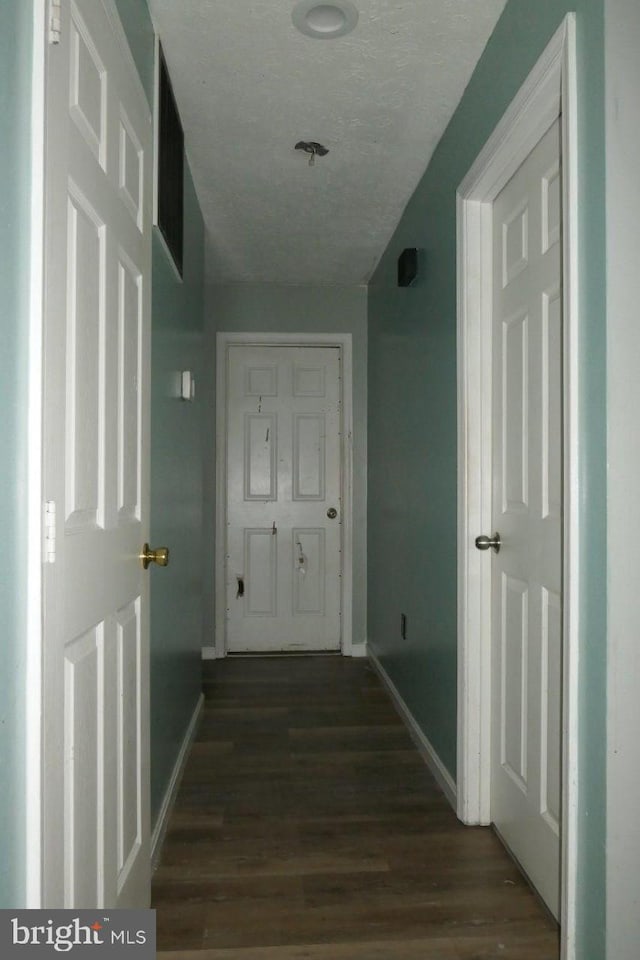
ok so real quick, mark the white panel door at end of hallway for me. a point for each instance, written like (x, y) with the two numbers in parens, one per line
(527, 513)
(96, 850)
(284, 506)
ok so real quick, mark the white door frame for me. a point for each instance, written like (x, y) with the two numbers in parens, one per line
(550, 91)
(34, 761)
(343, 341)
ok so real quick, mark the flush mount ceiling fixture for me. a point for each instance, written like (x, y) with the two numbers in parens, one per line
(325, 21)
(313, 148)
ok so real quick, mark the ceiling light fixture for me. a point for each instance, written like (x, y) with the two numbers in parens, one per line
(325, 21)
(313, 148)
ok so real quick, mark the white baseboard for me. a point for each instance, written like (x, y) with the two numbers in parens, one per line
(359, 650)
(162, 822)
(436, 766)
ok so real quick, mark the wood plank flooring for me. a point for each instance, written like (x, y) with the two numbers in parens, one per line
(307, 827)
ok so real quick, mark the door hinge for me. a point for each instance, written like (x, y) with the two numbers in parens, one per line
(55, 21)
(50, 531)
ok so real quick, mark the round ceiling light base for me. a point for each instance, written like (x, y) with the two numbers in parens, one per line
(325, 21)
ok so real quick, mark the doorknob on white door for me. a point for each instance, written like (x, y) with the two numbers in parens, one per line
(332, 513)
(160, 556)
(486, 543)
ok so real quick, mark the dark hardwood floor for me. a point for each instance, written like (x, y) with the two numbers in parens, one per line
(307, 827)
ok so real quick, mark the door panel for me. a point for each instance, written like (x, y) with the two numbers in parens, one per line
(85, 375)
(308, 381)
(515, 411)
(514, 685)
(88, 86)
(97, 311)
(83, 746)
(261, 444)
(551, 462)
(130, 744)
(527, 498)
(283, 474)
(309, 437)
(309, 550)
(261, 565)
(550, 712)
(130, 345)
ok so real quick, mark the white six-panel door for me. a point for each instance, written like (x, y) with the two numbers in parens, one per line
(527, 513)
(97, 311)
(283, 562)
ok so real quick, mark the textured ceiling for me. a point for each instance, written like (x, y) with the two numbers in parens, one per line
(249, 86)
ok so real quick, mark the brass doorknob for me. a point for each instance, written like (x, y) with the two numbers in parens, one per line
(159, 556)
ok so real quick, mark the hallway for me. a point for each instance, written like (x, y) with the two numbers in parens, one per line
(307, 826)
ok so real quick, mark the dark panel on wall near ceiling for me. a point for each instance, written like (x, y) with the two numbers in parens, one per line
(407, 267)
(170, 168)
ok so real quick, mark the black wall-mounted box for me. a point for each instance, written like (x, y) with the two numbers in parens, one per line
(407, 267)
(170, 168)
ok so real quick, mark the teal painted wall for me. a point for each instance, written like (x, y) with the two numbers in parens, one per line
(176, 496)
(283, 308)
(15, 147)
(176, 462)
(140, 34)
(412, 423)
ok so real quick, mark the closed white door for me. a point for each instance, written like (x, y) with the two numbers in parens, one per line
(97, 311)
(527, 513)
(284, 504)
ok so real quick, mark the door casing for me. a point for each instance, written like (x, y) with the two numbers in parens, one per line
(343, 341)
(549, 91)
(34, 761)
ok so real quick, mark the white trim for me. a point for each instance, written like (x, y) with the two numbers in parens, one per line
(344, 343)
(33, 746)
(474, 509)
(164, 815)
(359, 650)
(622, 139)
(427, 751)
(155, 112)
(549, 91)
(531, 113)
(572, 491)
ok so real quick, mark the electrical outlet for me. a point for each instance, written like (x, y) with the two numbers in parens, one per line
(403, 626)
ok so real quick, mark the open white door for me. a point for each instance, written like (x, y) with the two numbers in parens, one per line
(549, 93)
(96, 426)
(527, 513)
